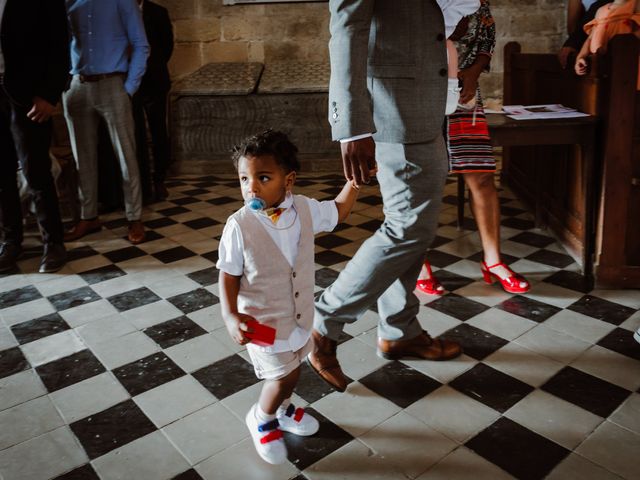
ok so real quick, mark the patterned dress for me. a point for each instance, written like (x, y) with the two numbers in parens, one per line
(466, 130)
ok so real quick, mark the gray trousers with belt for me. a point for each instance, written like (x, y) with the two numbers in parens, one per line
(385, 268)
(84, 105)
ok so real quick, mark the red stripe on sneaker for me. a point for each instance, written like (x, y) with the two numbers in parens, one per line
(299, 414)
(271, 436)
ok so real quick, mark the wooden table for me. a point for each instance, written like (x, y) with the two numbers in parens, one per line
(506, 132)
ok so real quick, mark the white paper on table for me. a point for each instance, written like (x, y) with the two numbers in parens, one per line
(540, 112)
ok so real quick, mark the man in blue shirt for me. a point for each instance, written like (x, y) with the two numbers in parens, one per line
(109, 50)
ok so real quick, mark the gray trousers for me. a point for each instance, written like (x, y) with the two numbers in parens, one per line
(84, 105)
(385, 268)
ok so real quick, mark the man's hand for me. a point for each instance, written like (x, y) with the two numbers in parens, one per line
(469, 77)
(359, 160)
(236, 324)
(41, 110)
(564, 54)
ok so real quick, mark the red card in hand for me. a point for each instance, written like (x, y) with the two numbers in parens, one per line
(262, 335)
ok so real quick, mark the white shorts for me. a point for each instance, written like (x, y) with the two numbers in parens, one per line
(273, 366)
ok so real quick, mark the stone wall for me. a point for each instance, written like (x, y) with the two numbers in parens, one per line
(208, 31)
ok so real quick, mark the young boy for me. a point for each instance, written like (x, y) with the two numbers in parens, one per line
(266, 263)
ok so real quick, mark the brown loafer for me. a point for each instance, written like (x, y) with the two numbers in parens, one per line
(324, 362)
(422, 346)
(136, 233)
(82, 228)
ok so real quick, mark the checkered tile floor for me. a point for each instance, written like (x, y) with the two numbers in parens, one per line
(120, 366)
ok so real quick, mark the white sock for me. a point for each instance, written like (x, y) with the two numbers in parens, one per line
(282, 409)
(452, 83)
(263, 417)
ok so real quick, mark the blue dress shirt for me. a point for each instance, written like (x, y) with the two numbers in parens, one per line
(108, 36)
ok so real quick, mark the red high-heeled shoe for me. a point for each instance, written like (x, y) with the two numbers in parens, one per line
(512, 282)
(430, 286)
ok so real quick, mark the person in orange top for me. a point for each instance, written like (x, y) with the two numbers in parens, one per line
(616, 18)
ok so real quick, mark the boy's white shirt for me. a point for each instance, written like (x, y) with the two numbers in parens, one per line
(454, 10)
(324, 216)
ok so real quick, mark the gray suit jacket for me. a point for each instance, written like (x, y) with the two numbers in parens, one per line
(388, 69)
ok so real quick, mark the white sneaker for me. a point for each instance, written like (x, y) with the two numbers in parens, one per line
(636, 336)
(297, 421)
(453, 96)
(267, 439)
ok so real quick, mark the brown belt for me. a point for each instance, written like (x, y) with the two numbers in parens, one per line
(101, 76)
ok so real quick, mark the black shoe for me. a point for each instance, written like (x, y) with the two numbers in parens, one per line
(54, 258)
(9, 255)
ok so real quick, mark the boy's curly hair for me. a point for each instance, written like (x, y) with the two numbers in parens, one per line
(270, 142)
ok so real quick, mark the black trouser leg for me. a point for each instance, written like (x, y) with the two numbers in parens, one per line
(10, 208)
(32, 141)
(141, 145)
(156, 110)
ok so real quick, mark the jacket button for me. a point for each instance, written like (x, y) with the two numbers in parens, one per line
(443, 72)
(297, 294)
(440, 37)
(298, 316)
(293, 274)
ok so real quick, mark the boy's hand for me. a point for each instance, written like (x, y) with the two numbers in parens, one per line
(236, 324)
(581, 66)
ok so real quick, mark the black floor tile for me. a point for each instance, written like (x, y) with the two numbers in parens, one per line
(441, 259)
(222, 200)
(475, 342)
(371, 225)
(310, 386)
(586, 391)
(479, 257)
(438, 241)
(190, 474)
(533, 239)
(160, 223)
(491, 387)
(195, 300)
(112, 428)
(74, 298)
(517, 450)
(329, 257)
(85, 472)
(117, 223)
(570, 280)
(174, 254)
(80, 252)
(133, 299)
(184, 200)
(168, 212)
(547, 257)
(124, 254)
(528, 308)
(32, 330)
(518, 223)
(511, 211)
(451, 281)
(325, 277)
(102, 274)
(69, 370)
(174, 332)
(621, 341)
(12, 361)
(400, 383)
(196, 191)
(450, 199)
(305, 451)
(457, 306)
(467, 224)
(199, 223)
(205, 277)
(147, 373)
(19, 296)
(227, 376)
(211, 256)
(331, 241)
(601, 309)
(371, 200)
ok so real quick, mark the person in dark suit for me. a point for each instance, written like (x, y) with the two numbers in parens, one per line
(34, 70)
(151, 100)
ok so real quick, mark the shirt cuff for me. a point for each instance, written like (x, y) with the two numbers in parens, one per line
(357, 137)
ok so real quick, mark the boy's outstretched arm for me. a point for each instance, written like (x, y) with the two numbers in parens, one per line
(234, 321)
(345, 200)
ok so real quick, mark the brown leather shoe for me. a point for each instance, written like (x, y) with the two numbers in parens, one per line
(324, 362)
(422, 346)
(136, 232)
(82, 228)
